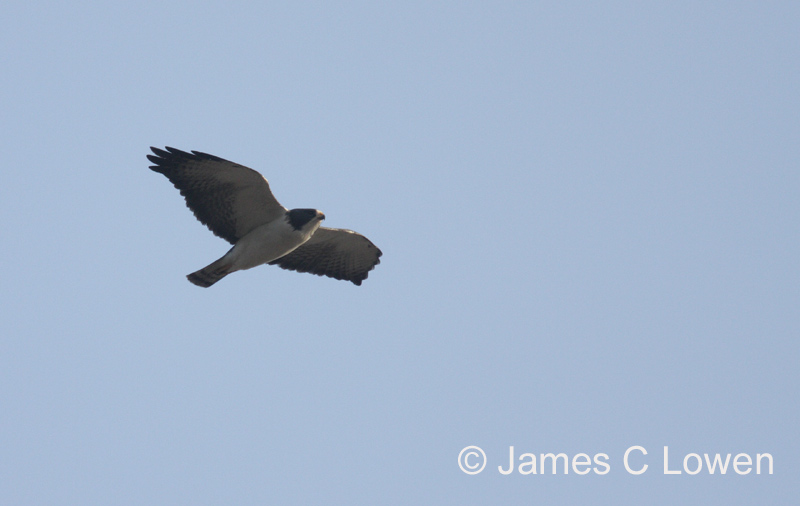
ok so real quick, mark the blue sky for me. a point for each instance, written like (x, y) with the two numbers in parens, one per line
(589, 219)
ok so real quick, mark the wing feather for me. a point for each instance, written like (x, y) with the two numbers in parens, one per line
(336, 253)
(230, 199)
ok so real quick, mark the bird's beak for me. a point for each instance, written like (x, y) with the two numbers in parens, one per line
(320, 216)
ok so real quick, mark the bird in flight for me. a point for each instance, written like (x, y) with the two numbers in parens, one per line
(236, 204)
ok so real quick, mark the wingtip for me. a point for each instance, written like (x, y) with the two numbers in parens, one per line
(174, 155)
(378, 256)
(159, 153)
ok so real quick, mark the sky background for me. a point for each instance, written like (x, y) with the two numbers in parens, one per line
(589, 220)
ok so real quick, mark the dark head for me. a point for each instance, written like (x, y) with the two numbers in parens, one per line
(298, 218)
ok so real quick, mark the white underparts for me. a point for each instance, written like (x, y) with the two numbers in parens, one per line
(267, 243)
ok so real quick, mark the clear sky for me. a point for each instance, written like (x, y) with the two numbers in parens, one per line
(589, 219)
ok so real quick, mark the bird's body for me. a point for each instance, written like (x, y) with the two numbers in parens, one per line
(262, 245)
(270, 242)
(236, 203)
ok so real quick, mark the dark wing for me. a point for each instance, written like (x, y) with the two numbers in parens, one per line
(336, 253)
(228, 198)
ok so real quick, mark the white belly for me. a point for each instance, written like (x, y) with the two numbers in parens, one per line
(265, 244)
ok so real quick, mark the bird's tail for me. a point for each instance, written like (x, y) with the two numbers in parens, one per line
(212, 273)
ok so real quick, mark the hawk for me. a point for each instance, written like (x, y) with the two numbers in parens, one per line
(236, 204)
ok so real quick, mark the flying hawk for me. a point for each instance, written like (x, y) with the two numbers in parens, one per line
(235, 203)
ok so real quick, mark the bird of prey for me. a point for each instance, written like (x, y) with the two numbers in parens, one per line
(236, 204)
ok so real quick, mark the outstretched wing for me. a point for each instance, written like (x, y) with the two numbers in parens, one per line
(334, 252)
(230, 199)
